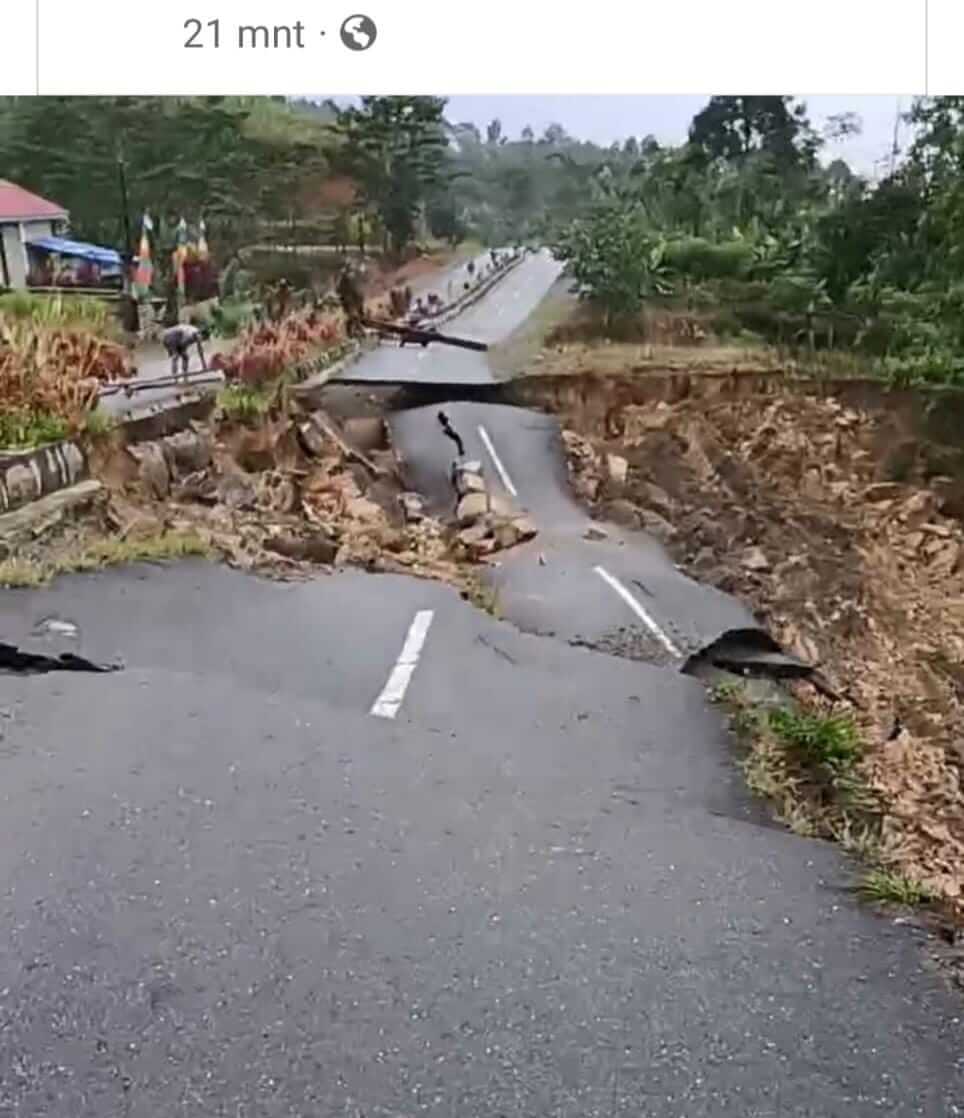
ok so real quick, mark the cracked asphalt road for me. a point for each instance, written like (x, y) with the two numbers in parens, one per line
(228, 888)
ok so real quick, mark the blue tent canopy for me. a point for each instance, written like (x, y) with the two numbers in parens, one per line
(106, 257)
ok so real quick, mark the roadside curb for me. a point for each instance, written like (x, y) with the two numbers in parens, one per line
(27, 476)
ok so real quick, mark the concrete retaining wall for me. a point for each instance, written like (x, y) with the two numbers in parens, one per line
(28, 475)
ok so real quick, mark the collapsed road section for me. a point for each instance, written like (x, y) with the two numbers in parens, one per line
(604, 587)
(330, 795)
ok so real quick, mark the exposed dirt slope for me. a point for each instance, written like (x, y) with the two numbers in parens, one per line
(783, 501)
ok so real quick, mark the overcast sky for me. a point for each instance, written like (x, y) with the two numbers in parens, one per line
(604, 119)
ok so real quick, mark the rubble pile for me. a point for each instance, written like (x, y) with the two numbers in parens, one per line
(279, 498)
(294, 491)
(487, 523)
(850, 556)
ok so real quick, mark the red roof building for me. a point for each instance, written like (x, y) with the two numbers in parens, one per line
(18, 205)
(23, 217)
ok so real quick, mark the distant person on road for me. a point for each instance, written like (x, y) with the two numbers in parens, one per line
(418, 311)
(352, 302)
(178, 341)
(282, 299)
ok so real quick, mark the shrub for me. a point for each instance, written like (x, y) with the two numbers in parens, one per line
(699, 259)
(614, 260)
(25, 428)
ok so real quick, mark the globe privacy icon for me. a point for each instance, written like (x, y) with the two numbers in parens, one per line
(359, 32)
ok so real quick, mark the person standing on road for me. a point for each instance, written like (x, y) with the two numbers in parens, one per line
(352, 302)
(282, 298)
(178, 341)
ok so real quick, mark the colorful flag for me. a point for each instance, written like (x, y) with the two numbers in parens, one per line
(180, 255)
(144, 275)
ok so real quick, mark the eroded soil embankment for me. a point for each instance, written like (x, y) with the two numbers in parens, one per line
(834, 521)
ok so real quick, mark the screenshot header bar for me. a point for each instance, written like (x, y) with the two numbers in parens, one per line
(383, 47)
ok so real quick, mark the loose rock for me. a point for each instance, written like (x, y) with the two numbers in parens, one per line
(188, 451)
(153, 471)
(470, 508)
(413, 507)
(754, 559)
(617, 469)
(316, 548)
(656, 525)
(623, 512)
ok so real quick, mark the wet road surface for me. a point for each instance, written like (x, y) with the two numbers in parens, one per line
(492, 320)
(620, 592)
(354, 847)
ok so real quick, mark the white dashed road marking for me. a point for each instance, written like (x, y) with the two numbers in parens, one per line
(503, 472)
(389, 702)
(641, 613)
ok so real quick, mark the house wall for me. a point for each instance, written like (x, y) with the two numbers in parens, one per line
(13, 253)
(14, 237)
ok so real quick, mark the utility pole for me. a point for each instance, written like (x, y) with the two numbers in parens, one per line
(895, 148)
(131, 315)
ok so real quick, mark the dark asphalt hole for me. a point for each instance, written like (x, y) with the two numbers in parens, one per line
(748, 652)
(420, 395)
(15, 661)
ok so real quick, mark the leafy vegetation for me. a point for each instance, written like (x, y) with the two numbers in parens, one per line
(751, 219)
(23, 429)
(613, 261)
(236, 161)
(54, 356)
(59, 313)
(745, 218)
(244, 405)
(396, 150)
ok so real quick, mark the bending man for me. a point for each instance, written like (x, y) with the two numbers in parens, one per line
(178, 341)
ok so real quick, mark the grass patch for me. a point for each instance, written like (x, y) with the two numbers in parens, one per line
(882, 886)
(58, 312)
(96, 554)
(818, 739)
(805, 764)
(23, 430)
(23, 574)
(241, 404)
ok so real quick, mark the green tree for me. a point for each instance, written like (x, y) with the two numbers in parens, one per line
(613, 259)
(231, 160)
(396, 149)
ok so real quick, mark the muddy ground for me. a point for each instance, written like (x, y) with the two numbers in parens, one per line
(848, 549)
